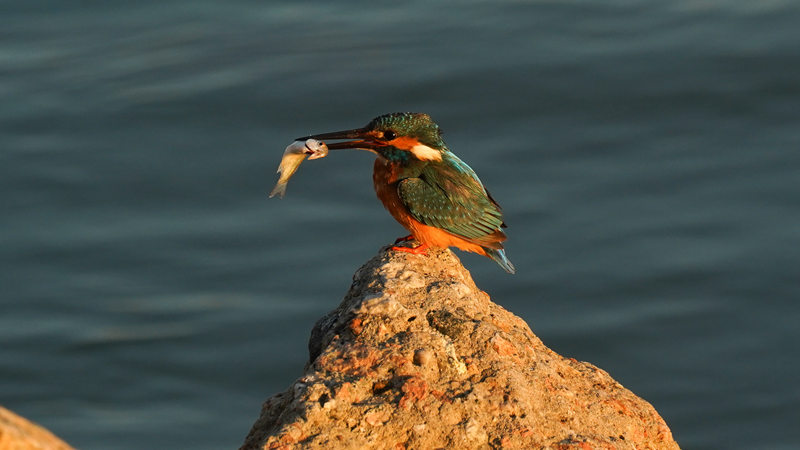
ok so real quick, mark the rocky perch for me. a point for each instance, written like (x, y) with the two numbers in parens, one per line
(18, 433)
(416, 356)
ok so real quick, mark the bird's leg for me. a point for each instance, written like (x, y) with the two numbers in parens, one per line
(421, 249)
(404, 238)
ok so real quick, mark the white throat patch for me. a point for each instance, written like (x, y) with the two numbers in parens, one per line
(425, 153)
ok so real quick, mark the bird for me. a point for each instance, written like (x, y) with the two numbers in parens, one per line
(429, 190)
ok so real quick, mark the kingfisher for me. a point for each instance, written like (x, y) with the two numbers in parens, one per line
(435, 195)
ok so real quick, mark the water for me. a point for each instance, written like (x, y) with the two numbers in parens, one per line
(645, 153)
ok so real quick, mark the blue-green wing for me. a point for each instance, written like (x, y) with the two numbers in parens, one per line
(451, 197)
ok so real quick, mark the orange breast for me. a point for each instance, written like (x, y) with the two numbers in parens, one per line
(384, 177)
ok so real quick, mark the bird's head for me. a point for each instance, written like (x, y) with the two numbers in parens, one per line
(398, 137)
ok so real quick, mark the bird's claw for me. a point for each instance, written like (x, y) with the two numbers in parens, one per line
(404, 239)
(421, 249)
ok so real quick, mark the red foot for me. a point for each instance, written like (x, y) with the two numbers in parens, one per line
(421, 249)
(404, 238)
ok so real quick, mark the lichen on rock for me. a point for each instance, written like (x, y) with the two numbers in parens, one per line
(416, 356)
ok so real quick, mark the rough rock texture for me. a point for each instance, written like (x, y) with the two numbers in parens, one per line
(18, 433)
(416, 356)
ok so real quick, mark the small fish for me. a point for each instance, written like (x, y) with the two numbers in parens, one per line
(293, 156)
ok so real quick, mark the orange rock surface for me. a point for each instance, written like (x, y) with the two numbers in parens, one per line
(416, 356)
(18, 433)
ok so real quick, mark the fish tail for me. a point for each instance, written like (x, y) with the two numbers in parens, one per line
(499, 256)
(279, 189)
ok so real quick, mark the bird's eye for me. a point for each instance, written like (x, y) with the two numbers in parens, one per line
(389, 135)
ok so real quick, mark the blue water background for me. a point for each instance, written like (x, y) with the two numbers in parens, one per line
(646, 154)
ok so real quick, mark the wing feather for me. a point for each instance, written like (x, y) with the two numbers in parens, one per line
(452, 198)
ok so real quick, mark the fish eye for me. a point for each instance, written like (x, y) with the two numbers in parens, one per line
(389, 135)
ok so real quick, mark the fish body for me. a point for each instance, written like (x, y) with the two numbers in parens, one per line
(293, 156)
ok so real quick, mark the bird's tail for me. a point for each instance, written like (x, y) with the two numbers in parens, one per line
(499, 256)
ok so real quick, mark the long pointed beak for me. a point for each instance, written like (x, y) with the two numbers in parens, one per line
(360, 139)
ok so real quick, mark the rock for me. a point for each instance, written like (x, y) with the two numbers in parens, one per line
(416, 356)
(17, 433)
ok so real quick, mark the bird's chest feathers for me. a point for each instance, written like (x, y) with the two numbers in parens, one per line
(385, 177)
(391, 171)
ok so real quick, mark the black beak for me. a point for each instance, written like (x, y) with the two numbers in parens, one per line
(360, 139)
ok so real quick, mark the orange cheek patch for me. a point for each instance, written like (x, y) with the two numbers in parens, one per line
(404, 143)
